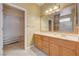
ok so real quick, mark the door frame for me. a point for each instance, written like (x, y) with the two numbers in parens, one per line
(25, 22)
(1, 30)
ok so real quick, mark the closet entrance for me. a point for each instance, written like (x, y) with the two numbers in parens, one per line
(13, 29)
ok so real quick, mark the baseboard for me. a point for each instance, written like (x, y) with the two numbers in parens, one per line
(29, 47)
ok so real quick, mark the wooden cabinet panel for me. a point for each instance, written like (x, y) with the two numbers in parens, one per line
(77, 48)
(38, 44)
(51, 40)
(77, 52)
(45, 44)
(45, 38)
(36, 36)
(69, 44)
(54, 50)
(38, 41)
(65, 43)
(67, 52)
(45, 50)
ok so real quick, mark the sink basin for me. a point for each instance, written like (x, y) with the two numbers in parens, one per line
(71, 37)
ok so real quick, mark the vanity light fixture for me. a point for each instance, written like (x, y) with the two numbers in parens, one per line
(56, 8)
(50, 9)
(46, 11)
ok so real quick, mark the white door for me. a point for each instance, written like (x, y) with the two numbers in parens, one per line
(1, 31)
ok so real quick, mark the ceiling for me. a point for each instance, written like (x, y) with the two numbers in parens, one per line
(40, 4)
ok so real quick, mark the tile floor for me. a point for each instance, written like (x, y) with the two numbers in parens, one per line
(17, 49)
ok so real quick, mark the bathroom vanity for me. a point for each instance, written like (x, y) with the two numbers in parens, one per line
(56, 44)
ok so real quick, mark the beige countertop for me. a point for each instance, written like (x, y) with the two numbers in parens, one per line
(73, 37)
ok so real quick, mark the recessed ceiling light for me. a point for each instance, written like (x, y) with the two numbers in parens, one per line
(55, 7)
(46, 11)
(50, 9)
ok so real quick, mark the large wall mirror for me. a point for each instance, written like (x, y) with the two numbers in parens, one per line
(62, 20)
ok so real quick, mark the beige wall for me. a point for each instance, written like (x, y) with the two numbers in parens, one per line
(33, 20)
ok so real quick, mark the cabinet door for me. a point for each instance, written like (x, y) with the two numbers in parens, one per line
(54, 50)
(77, 52)
(38, 41)
(45, 50)
(68, 52)
(38, 44)
(45, 45)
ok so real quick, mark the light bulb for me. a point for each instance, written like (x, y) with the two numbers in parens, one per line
(55, 7)
(50, 9)
(46, 11)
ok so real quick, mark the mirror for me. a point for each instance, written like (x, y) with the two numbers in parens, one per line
(63, 20)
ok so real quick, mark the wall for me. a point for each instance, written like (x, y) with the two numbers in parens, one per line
(1, 33)
(33, 20)
(13, 24)
(44, 23)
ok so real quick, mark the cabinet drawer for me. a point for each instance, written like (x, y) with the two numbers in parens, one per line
(77, 44)
(51, 40)
(36, 40)
(43, 45)
(46, 50)
(54, 50)
(45, 42)
(56, 41)
(37, 36)
(77, 48)
(45, 38)
(68, 52)
(65, 43)
(39, 46)
(77, 52)
(69, 44)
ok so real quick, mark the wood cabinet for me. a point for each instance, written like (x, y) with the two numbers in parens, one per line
(45, 44)
(67, 52)
(77, 47)
(68, 48)
(54, 50)
(56, 47)
(38, 41)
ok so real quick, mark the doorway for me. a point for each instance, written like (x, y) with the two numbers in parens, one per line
(13, 29)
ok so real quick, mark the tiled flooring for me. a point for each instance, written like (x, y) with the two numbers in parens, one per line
(16, 49)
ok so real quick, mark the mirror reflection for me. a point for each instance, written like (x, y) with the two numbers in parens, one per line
(59, 18)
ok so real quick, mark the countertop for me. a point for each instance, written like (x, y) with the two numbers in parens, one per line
(73, 37)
